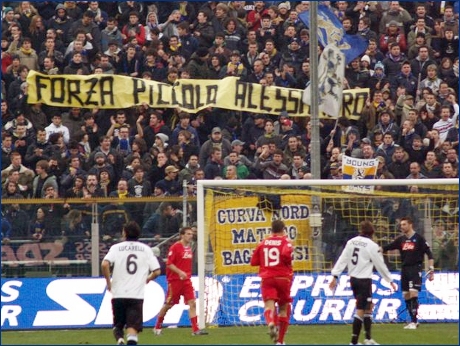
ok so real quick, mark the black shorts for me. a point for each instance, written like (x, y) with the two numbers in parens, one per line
(411, 278)
(362, 291)
(127, 313)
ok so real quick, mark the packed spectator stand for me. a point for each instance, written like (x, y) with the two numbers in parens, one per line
(409, 122)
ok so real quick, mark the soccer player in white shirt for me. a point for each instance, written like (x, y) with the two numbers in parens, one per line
(134, 265)
(360, 255)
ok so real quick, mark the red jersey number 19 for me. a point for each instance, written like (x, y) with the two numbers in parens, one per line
(271, 257)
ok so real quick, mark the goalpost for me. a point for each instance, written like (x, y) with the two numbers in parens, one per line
(235, 215)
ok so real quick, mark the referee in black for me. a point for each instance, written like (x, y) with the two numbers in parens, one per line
(412, 248)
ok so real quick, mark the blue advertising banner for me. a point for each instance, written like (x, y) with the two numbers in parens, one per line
(28, 304)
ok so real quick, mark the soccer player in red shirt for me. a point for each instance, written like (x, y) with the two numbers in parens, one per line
(274, 258)
(178, 274)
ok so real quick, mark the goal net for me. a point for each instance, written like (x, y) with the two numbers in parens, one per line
(320, 216)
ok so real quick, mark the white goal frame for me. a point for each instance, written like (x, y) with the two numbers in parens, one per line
(202, 184)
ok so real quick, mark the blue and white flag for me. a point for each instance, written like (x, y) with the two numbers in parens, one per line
(331, 73)
(330, 30)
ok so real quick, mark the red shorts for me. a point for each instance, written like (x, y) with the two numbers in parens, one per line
(277, 289)
(178, 288)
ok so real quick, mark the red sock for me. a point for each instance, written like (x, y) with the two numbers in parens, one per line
(159, 322)
(288, 311)
(284, 323)
(194, 321)
(269, 316)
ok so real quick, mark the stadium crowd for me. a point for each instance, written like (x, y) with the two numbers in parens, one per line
(409, 122)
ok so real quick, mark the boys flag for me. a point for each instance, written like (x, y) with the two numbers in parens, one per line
(330, 30)
(357, 169)
(331, 72)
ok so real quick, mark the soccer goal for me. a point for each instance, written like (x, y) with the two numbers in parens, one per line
(320, 215)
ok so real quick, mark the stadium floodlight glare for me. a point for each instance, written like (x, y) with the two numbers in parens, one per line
(233, 216)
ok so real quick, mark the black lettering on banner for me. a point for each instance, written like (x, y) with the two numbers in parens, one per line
(174, 96)
(73, 89)
(188, 97)
(161, 95)
(138, 87)
(264, 96)
(240, 94)
(211, 92)
(93, 82)
(292, 100)
(57, 85)
(249, 95)
(281, 98)
(150, 95)
(198, 103)
(346, 103)
(358, 99)
(106, 92)
(40, 86)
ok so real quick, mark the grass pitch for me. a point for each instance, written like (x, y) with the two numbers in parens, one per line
(385, 334)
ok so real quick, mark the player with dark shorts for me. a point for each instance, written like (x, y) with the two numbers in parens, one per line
(360, 255)
(273, 256)
(133, 265)
(412, 247)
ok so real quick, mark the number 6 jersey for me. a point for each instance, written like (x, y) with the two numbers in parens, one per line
(132, 262)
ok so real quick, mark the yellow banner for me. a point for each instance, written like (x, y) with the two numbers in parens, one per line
(236, 226)
(190, 95)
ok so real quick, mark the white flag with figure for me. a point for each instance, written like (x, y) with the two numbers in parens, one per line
(331, 73)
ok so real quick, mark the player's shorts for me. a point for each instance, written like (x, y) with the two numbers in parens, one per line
(178, 288)
(411, 278)
(277, 289)
(362, 291)
(127, 312)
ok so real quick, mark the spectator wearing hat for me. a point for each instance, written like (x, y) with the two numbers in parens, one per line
(294, 55)
(111, 34)
(216, 140)
(387, 124)
(378, 79)
(335, 171)
(170, 183)
(395, 15)
(355, 77)
(198, 65)
(161, 142)
(8, 20)
(234, 68)
(101, 163)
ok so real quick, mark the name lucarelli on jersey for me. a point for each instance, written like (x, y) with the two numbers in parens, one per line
(132, 247)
